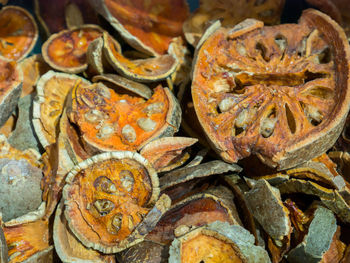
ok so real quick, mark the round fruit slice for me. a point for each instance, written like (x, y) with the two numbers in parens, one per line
(109, 200)
(148, 69)
(11, 79)
(66, 50)
(280, 92)
(109, 121)
(18, 33)
(52, 90)
(230, 13)
(147, 26)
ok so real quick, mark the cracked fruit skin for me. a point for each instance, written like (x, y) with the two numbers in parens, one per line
(280, 92)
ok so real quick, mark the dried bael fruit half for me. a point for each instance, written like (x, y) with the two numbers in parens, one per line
(112, 200)
(147, 26)
(230, 13)
(11, 79)
(111, 121)
(18, 33)
(66, 51)
(52, 89)
(280, 92)
(148, 69)
(217, 242)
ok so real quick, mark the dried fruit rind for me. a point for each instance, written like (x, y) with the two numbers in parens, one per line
(274, 92)
(113, 192)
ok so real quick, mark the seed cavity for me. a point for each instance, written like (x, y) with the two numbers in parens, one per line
(221, 85)
(103, 206)
(241, 49)
(226, 104)
(94, 116)
(153, 108)
(313, 115)
(129, 133)
(127, 180)
(268, 124)
(281, 42)
(146, 124)
(130, 223)
(104, 184)
(105, 131)
(117, 221)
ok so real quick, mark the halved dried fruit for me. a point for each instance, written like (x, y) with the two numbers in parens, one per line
(280, 92)
(52, 90)
(18, 32)
(147, 26)
(230, 13)
(114, 194)
(11, 79)
(217, 242)
(148, 69)
(66, 50)
(110, 121)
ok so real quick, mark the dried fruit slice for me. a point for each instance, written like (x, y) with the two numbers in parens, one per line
(11, 79)
(147, 26)
(114, 193)
(68, 247)
(280, 92)
(230, 13)
(217, 242)
(55, 19)
(148, 69)
(52, 90)
(3, 247)
(18, 33)
(165, 151)
(110, 121)
(66, 51)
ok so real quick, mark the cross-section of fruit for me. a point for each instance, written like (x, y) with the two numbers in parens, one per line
(112, 200)
(111, 121)
(280, 92)
(18, 33)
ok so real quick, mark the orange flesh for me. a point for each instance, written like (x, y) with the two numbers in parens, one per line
(27, 239)
(8, 75)
(85, 190)
(195, 213)
(17, 33)
(153, 22)
(69, 49)
(121, 110)
(208, 249)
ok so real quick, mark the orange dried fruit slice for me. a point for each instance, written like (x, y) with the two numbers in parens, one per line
(230, 13)
(66, 51)
(52, 89)
(11, 79)
(279, 92)
(110, 121)
(117, 193)
(147, 26)
(147, 70)
(18, 33)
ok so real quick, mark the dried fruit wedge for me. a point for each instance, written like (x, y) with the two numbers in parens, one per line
(110, 121)
(52, 89)
(147, 26)
(147, 70)
(112, 200)
(11, 79)
(280, 92)
(66, 51)
(230, 13)
(18, 33)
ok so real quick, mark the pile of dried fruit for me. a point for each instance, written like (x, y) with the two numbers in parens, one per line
(143, 133)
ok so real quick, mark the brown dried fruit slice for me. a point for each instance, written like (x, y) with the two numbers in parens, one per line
(147, 26)
(165, 151)
(217, 242)
(110, 121)
(280, 92)
(66, 51)
(109, 200)
(55, 19)
(68, 247)
(18, 33)
(148, 69)
(342, 159)
(52, 90)
(11, 79)
(230, 13)
(26, 240)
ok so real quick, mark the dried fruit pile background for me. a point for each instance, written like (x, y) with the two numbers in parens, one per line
(173, 131)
